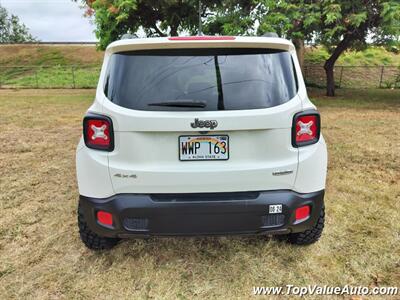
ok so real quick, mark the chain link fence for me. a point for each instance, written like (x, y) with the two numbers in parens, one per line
(355, 76)
(49, 76)
(87, 76)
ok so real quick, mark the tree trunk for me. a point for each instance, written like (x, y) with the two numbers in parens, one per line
(299, 44)
(330, 64)
(330, 79)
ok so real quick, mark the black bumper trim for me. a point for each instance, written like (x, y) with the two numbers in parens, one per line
(190, 217)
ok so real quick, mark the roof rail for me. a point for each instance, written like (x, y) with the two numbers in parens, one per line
(270, 34)
(127, 36)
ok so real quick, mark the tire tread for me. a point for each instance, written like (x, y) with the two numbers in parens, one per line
(92, 240)
(309, 236)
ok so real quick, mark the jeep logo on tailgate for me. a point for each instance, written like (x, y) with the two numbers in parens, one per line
(204, 124)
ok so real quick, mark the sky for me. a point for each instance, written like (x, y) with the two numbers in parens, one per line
(52, 20)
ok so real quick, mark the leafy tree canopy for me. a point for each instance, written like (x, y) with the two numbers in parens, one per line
(168, 17)
(12, 30)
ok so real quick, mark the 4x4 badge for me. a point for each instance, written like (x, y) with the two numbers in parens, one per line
(204, 124)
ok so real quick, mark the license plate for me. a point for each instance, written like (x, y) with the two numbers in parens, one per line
(204, 147)
(275, 209)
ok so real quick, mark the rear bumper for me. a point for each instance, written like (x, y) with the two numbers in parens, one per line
(137, 215)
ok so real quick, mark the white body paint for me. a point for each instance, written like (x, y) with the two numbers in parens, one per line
(145, 158)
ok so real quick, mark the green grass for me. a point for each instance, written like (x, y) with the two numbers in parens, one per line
(41, 255)
(51, 57)
(37, 56)
(50, 77)
(31, 66)
(357, 98)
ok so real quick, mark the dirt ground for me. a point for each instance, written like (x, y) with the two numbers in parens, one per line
(41, 255)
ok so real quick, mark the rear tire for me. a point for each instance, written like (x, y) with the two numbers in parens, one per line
(309, 236)
(92, 240)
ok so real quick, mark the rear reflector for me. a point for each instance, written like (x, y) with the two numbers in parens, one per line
(202, 38)
(302, 212)
(104, 218)
(306, 128)
(98, 132)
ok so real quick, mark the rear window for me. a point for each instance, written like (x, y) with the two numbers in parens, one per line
(200, 79)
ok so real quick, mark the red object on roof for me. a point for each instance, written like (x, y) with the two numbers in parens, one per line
(202, 38)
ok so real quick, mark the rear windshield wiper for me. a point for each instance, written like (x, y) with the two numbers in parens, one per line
(180, 103)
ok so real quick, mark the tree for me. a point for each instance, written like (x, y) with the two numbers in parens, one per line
(232, 18)
(12, 30)
(155, 18)
(168, 17)
(289, 19)
(339, 25)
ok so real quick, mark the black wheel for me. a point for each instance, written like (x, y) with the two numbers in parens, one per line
(309, 236)
(92, 240)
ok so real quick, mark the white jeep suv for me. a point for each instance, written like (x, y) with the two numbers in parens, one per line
(205, 135)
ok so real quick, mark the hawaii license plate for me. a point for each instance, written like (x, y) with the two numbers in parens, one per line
(204, 147)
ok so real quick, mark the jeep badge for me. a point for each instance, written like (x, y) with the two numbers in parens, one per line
(204, 124)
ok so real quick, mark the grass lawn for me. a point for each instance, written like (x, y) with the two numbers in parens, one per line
(41, 255)
(44, 66)
(50, 77)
